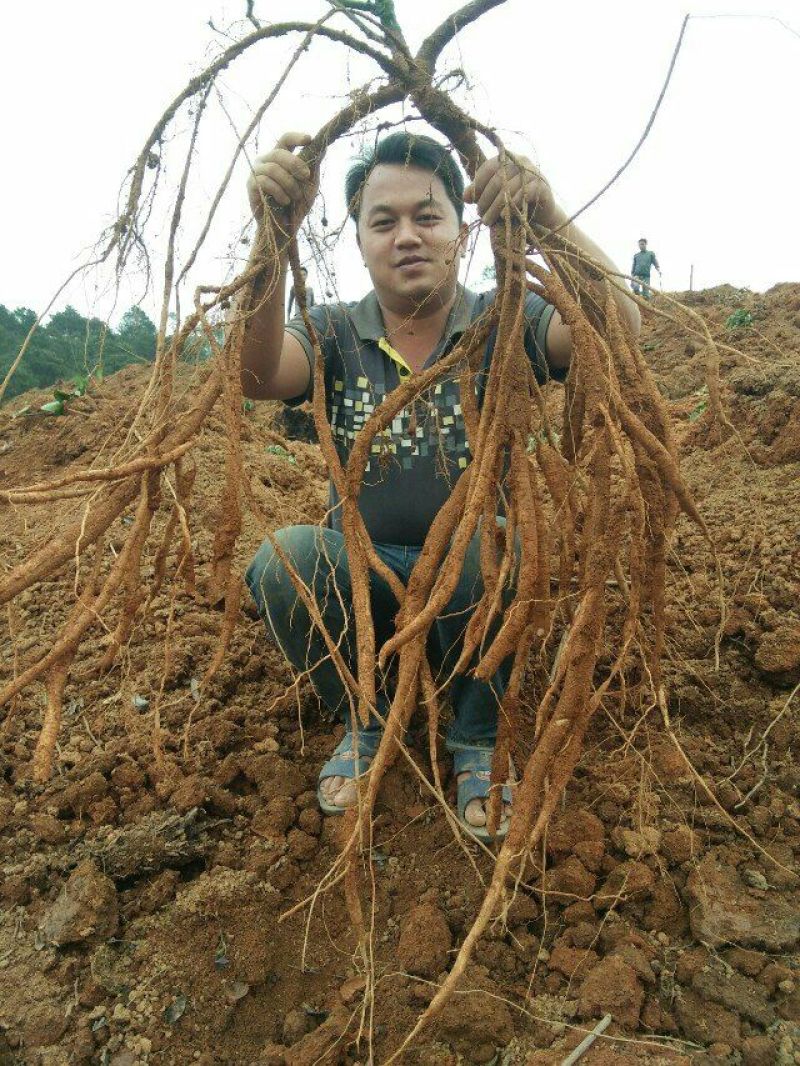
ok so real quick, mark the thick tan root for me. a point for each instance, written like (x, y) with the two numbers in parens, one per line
(42, 765)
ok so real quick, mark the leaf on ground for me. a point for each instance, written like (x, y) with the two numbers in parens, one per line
(282, 453)
(701, 408)
(221, 960)
(175, 1010)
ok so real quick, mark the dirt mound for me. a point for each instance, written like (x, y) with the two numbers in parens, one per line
(142, 903)
(759, 339)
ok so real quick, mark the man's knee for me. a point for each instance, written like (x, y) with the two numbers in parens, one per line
(267, 576)
(470, 585)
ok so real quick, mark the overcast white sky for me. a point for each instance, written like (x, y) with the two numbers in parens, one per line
(572, 85)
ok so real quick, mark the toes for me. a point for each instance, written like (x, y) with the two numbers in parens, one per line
(326, 786)
(329, 786)
(346, 794)
(339, 791)
(475, 813)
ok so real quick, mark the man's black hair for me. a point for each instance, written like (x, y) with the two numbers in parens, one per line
(406, 149)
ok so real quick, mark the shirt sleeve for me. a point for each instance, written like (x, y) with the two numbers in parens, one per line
(321, 317)
(538, 314)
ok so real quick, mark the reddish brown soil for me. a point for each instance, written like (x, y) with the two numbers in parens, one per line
(166, 945)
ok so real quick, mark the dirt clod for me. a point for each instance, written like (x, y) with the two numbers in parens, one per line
(682, 844)
(425, 941)
(612, 987)
(724, 912)
(571, 828)
(737, 993)
(568, 881)
(48, 830)
(706, 1022)
(778, 654)
(295, 1026)
(630, 880)
(85, 910)
(750, 963)
(475, 1022)
(570, 961)
(758, 1051)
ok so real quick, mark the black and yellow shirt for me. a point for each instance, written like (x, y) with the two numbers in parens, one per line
(417, 459)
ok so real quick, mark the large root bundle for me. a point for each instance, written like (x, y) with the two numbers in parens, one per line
(588, 511)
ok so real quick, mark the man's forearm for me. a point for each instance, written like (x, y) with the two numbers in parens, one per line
(575, 237)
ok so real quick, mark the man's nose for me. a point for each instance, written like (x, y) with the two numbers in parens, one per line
(406, 233)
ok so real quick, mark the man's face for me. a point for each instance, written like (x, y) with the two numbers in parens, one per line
(410, 237)
(642, 245)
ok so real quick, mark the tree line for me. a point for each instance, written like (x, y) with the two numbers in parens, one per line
(70, 346)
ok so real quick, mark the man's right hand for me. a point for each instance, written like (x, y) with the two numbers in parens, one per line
(281, 183)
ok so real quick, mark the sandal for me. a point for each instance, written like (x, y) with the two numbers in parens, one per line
(477, 762)
(343, 763)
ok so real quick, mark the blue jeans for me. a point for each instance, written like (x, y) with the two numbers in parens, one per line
(319, 557)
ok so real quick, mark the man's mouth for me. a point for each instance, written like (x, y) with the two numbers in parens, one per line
(410, 260)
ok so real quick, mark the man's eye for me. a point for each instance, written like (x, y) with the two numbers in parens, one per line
(381, 223)
(428, 218)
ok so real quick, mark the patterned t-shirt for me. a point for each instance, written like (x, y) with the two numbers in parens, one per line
(417, 459)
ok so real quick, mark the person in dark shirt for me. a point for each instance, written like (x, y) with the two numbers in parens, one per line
(643, 261)
(310, 301)
(406, 199)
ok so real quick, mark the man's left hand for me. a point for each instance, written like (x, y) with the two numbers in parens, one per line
(521, 181)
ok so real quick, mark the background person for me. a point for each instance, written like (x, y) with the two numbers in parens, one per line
(643, 261)
(310, 301)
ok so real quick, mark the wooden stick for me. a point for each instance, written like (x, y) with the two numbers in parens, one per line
(587, 1041)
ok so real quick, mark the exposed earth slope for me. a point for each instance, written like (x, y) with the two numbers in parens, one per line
(139, 902)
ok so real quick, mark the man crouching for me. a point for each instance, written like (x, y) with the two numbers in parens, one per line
(406, 198)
